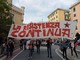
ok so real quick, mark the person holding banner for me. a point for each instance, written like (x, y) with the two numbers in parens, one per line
(75, 45)
(38, 43)
(31, 47)
(24, 44)
(73, 48)
(77, 39)
(76, 42)
(49, 44)
(64, 46)
(21, 44)
(9, 48)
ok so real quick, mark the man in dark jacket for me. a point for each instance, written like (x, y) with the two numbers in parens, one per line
(49, 43)
(11, 48)
(38, 43)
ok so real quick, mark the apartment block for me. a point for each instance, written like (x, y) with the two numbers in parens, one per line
(18, 13)
(75, 14)
(59, 15)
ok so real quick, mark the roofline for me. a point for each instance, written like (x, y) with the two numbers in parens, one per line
(17, 9)
(58, 9)
(75, 4)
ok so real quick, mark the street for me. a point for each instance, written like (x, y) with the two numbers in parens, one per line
(41, 56)
(29, 27)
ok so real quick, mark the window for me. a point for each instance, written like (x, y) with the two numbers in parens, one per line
(53, 14)
(76, 28)
(74, 9)
(76, 21)
(56, 20)
(56, 16)
(74, 15)
(51, 19)
(56, 12)
(48, 16)
(66, 17)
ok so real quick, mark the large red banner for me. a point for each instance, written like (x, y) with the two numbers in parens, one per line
(64, 29)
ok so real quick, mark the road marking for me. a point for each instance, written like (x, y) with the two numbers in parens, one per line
(59, 54)
(77, 50)
(5, 55)
(17, 55)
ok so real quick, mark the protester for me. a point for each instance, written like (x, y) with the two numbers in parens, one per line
(49, 44)
(76, 42)
(64, 46)
(31, 46)
(1, 41)
(77, 36)
(11, 48)
(7, 50)
(38, 43)
(73, 48)
(24, 44)
(3, 48)
(21, 44)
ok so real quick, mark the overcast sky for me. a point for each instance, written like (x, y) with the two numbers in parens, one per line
(38, 10)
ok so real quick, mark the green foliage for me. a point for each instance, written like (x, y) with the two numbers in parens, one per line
(5, 18)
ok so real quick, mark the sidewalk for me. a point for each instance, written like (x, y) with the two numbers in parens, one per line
(4, 52)
(78, 48)
(69, 54)
(14, 54)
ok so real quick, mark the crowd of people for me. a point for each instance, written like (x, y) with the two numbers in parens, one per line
(66, 43)
(72, 44)
(38, 44)
(7, 48)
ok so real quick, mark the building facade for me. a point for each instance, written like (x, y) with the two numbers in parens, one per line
(75, 14)
(18, 13)
(9, 1)
(59, 15)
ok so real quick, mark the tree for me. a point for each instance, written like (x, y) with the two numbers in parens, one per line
(5, 18)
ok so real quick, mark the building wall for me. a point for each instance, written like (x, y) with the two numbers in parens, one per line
(58, 15)
(17, 17)
(61, 15)
(54, 16)
(77, 17)
(17, 12)
(9, 1)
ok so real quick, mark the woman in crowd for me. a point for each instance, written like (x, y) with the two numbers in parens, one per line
(31, 47)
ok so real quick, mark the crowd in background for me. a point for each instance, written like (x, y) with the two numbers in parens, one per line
(65, 43)
(37, 43)
(7, 48)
